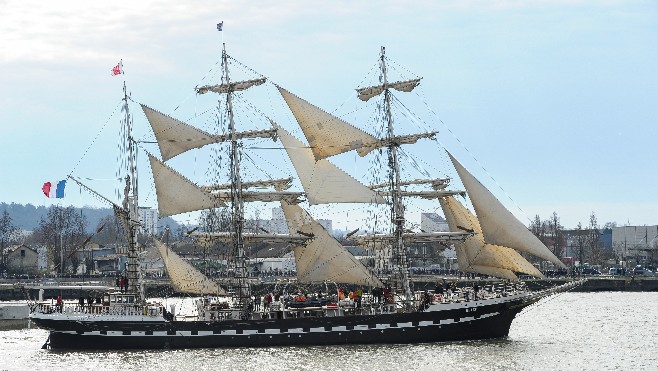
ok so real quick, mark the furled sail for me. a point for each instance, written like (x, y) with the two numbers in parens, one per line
(251, 196)
(324, 258)
(207, 239)
(234, 86)
(283, 183)
(327, 135)
(499, 226)
(177, 194)
(474, 255)
(372, 91)
(322, 180)
(411, 238)
(184, 277)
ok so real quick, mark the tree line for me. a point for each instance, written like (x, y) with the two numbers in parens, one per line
(65, 231)
(584, 241)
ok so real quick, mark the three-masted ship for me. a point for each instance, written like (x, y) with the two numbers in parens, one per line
(390, 311)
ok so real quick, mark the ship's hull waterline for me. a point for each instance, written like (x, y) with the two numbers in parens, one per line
(473, 320)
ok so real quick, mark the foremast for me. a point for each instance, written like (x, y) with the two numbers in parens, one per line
(130, 205)
(127, 214)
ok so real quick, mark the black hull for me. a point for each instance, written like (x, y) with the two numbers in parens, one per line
(473, 322)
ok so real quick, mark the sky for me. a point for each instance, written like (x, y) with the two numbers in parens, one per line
(551, 104)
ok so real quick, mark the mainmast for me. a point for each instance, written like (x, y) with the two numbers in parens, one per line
(237, 224)
(397, 208)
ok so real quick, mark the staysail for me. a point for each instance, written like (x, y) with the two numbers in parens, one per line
(324, 258)
(175, 137)
(474, 255)
(184, 277)
(499, 226)
(327, 135)
(323, 181)
(176, 194)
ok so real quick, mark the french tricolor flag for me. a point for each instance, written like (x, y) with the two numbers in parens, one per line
(58, 191)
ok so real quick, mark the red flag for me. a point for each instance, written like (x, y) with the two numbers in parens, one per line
(46, 188)
(117, 70)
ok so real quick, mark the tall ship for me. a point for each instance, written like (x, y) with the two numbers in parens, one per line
(314, 309)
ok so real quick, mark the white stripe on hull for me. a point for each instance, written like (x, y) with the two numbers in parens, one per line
(276, 331)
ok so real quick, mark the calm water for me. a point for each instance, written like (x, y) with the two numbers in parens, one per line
(572, 331)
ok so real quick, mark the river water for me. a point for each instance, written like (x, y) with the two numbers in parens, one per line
(571, 331)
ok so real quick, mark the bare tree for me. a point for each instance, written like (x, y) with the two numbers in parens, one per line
(62, 231)
(7, 237)
(581, 241)
(215, 220)
(111, 233)
(594, 240)
(556, 232)
(537, 228)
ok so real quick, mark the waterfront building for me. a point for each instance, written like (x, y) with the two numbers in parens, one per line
(148, 217)
(22, 259)
(433, 222)
(637, 244)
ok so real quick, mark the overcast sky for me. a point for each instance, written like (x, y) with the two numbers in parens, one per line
(556, 99)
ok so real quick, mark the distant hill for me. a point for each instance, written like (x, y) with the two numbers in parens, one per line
(27, 217)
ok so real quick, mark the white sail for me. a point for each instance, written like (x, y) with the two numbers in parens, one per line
(177, 194)
(175, 137)
(371, 91)
(326, 134)
(476, 254)
(323, 182)
(324, 258)
(499, 226)
(184, 277)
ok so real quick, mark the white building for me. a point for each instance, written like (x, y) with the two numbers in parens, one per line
(278, 223)
(635, 242)
(283, 264)
(149, 219)
(433, 222)
(327, 224)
